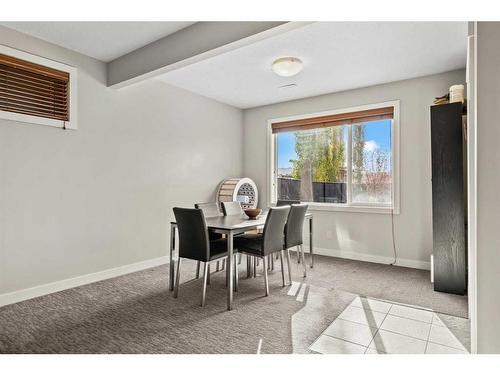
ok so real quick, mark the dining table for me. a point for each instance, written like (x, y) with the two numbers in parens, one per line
(230, 226)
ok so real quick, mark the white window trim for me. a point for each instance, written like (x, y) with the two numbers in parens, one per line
(349, 206)
(73, 111)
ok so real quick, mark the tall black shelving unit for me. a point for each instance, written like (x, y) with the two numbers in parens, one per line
(448, 198)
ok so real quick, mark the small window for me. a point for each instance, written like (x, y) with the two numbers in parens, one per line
(34, 92)
(343, 159)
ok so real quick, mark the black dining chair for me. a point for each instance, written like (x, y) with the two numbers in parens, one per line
(294, 234)
(210, 209)
(195, 244)
(232, 208)
(286, 202)
(270, 241)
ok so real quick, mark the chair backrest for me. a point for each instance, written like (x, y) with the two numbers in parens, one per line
(193, 234)
(286, 202)
(210, 209)
(232, 208)
(272, 236)
(294, 225)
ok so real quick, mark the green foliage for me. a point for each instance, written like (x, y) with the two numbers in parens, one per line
(358, 144)
(325, 149)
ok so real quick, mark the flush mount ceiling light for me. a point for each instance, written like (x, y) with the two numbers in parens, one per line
(287, 66)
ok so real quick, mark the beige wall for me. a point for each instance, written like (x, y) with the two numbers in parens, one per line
(367, 235)
(488, 186)
(78, 202)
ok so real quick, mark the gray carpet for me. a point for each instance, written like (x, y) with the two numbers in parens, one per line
(136, 313)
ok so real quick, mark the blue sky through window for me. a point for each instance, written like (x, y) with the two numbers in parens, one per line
(377, 136)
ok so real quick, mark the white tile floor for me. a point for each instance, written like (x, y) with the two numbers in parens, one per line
(371, 326)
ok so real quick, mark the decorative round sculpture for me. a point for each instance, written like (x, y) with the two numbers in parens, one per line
(242, 190)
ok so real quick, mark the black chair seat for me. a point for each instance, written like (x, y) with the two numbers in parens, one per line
(214, 236)
(249, 243)
(218, 249)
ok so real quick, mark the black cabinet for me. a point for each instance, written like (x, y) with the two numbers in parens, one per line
(448, 198)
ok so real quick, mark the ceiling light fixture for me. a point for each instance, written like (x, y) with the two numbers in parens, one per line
(287, 66)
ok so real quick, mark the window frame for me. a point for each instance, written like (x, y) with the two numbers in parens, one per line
(272, 163)
(30, 119)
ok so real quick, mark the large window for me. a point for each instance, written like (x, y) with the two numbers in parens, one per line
(341, 159)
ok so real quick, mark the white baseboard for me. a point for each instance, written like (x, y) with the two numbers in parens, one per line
(418, 264)
(37, 291)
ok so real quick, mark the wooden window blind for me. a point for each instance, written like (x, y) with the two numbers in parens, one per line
(333, 120)
(33, 89)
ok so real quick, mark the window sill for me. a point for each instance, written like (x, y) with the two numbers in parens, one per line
(4, 115)
(359, 209)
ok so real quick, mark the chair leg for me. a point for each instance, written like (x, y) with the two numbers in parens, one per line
(249, 267)
(223, 264)
(227, 275)
(239, 258)
(266, 280)
(297, 251)
(206, 272)
(236, 272)
(217, 267)
(289, 266)
(177, 277)
(271, 257)
(198, 269)
(208, 280)
(255, 264)
(303, 260)
(282, 267)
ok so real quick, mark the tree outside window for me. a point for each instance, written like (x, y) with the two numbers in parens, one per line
(316, 169)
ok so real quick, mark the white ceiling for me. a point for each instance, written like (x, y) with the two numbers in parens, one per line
(104, 41)
(337, 56)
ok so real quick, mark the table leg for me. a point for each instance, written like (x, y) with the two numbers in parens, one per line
(229, 265)
(171, 263)
(311, 251)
